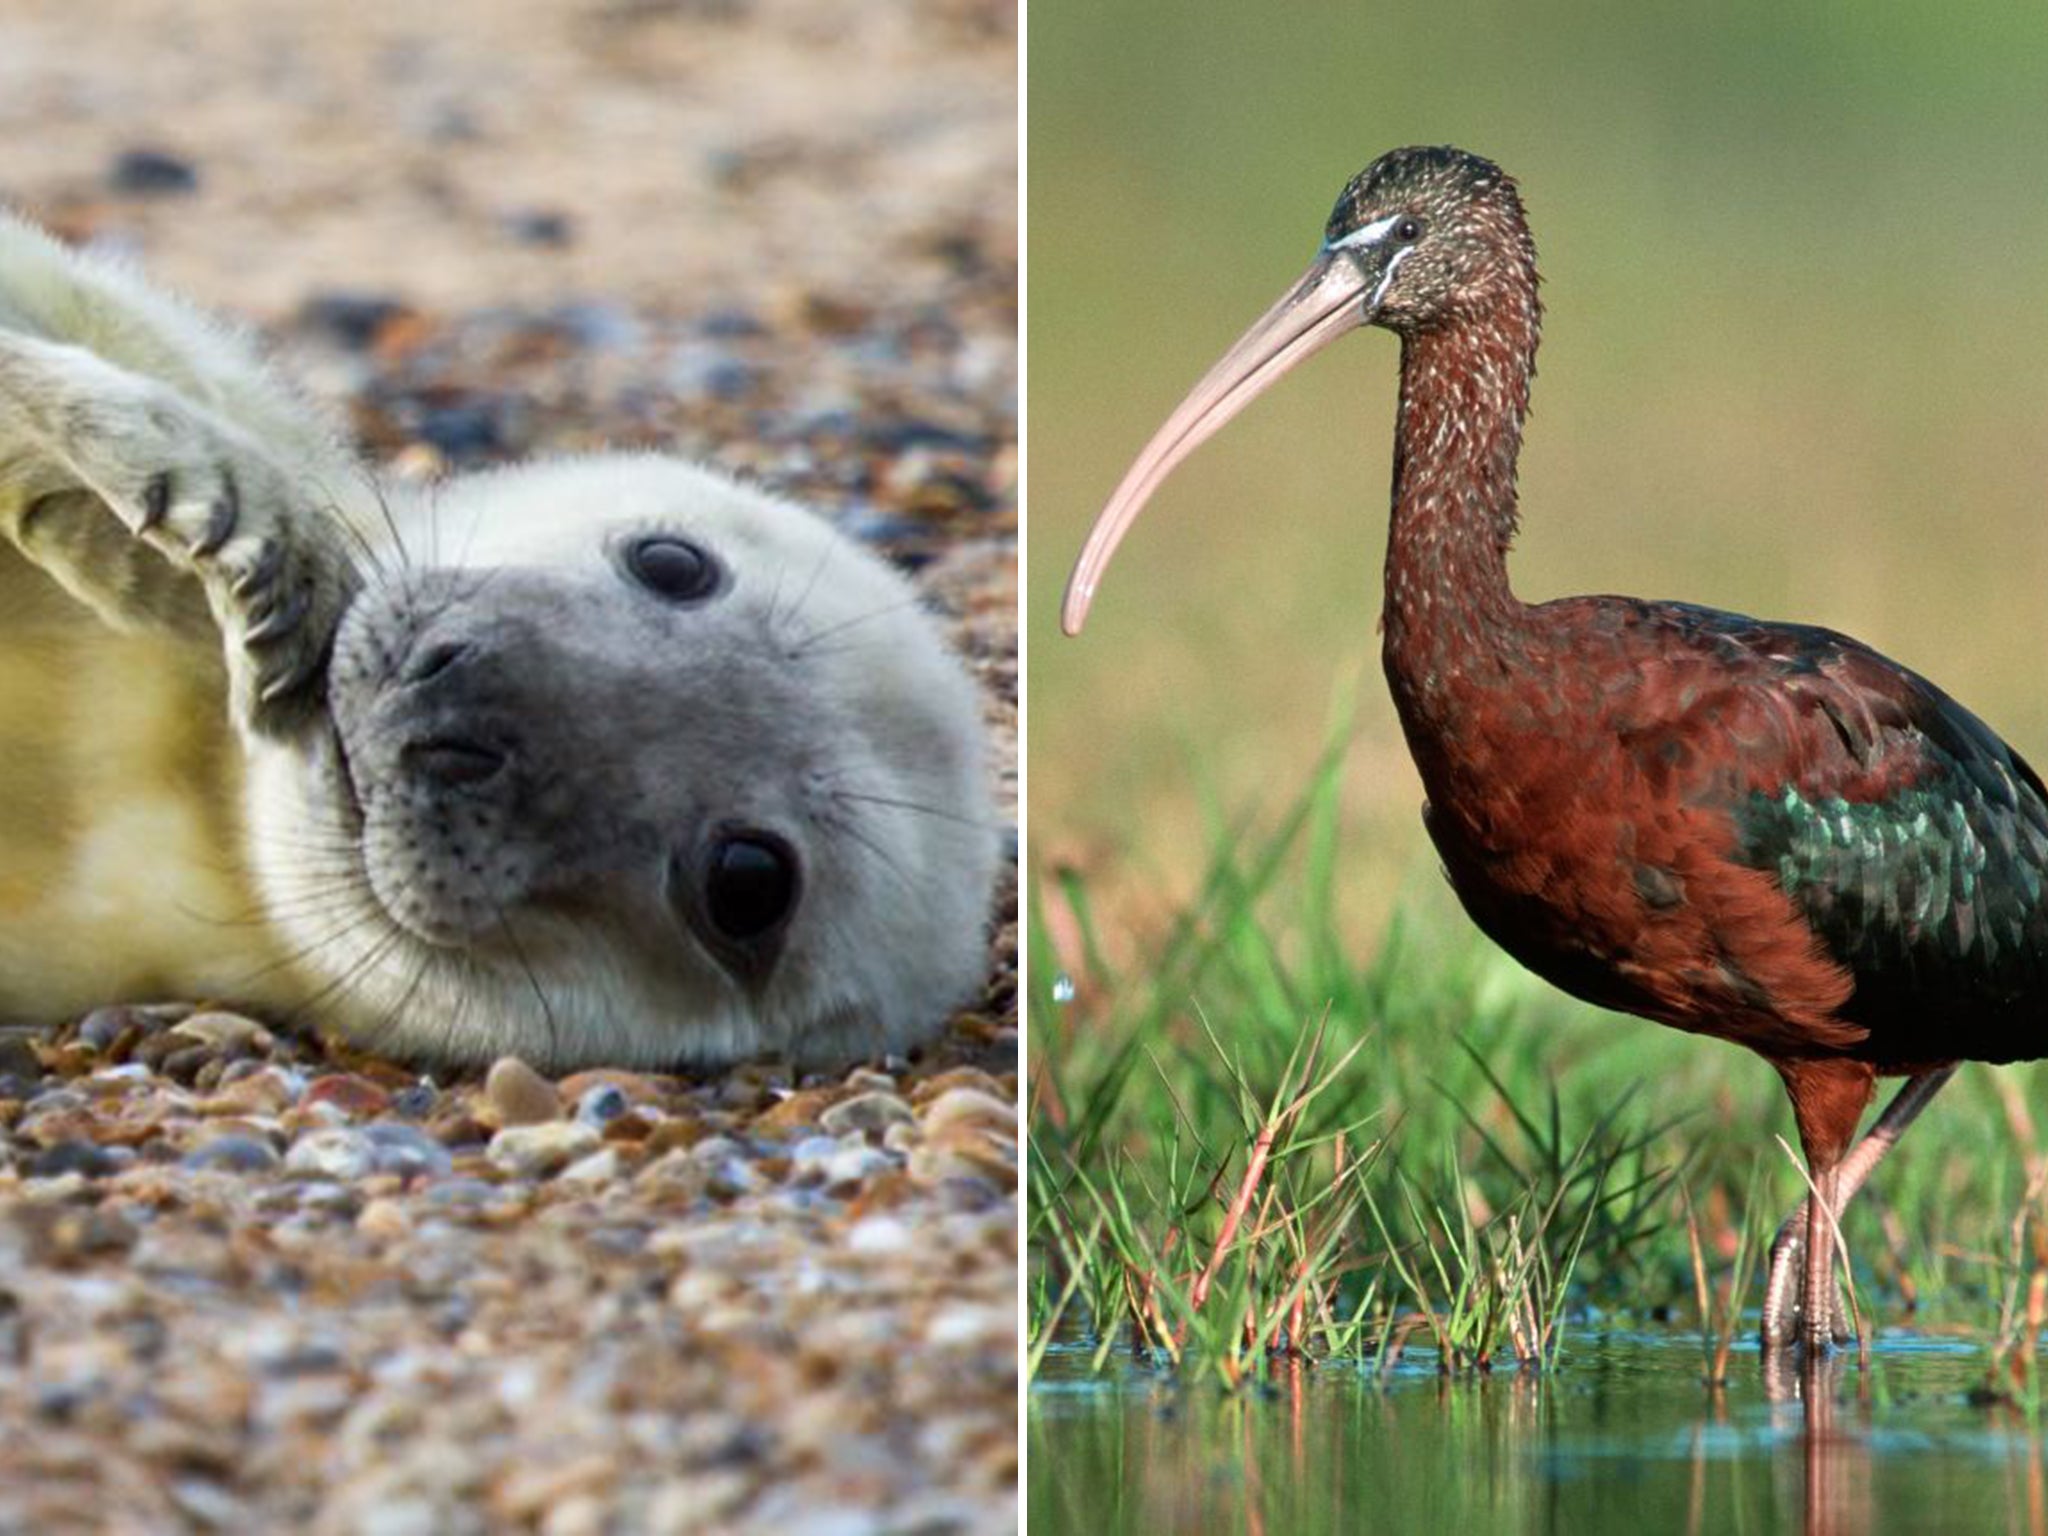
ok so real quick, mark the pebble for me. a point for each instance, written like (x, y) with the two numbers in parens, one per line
(872, 1113)
(856, 1165)
(638, 1088)
(468, 431)
(600, 1167)
(939, 1163)
(717, 1167)
(462, 1194)
(227, 1031)
(147, 171)
(813, 1150)
(415, 1101)
(972, 1108)
(208, 1506)
(186, 1062)
(19, 1059)
(355, 1098)
(702, 1501)
(350, 318)
(602, 1103)
(233, 1153)
(880, 1234)
(82, 1157)
(267, 1092)
(598, 324)
(518, 1095)
(406, 1151)
(797, 1110)
(384, 1220)
(541, 226)
(834, 1163)
(536, 1151)
(103, 1026)
(337, 1152)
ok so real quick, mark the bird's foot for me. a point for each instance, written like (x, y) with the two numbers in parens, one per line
(1783, 1313)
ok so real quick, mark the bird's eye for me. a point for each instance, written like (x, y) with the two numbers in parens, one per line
(750, 885)
(1408, 231)
(673, 568)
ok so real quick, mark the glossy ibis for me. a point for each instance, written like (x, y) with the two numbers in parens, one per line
(1766, 832)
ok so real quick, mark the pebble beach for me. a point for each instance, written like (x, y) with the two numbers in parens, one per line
(254, 1281)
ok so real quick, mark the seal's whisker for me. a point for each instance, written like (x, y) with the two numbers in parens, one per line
(350, 914)
(809, 643)
(481, 578)
(332, 901)
(533, 981)
(374, 564)
(256, 918)
(469, 534)
(776, 619)
(352, 976)
(882, 855)
(803, 598)
(391, 525)
(389, 1022)
(922, 809)
(341, 854)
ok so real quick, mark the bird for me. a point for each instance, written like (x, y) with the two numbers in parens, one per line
(1764, 832)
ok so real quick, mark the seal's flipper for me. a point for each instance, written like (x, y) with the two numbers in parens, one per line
(124, 492)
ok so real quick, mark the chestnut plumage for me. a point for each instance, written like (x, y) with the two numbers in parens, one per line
(1765, 832)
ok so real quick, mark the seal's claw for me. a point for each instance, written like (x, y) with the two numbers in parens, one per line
(221, 519)
(279, 618)
(255, 584)
(156, 502)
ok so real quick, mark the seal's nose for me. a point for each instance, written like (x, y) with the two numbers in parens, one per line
(430, 661)
(455, 763)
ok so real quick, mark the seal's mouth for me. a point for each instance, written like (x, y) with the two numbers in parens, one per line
(348, 797)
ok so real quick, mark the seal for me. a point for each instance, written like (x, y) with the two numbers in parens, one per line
(607, 759)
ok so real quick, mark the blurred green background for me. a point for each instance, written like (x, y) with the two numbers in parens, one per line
(1797, 289)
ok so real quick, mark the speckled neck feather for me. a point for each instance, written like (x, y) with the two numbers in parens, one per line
(1464, 397)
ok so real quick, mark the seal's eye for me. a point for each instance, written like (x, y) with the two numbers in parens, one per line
(737, 895)
(750, 886)
(673, 568)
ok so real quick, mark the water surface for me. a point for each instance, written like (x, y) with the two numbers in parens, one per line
(1623, 1438)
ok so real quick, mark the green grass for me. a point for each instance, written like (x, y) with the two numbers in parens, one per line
(1258, 1142)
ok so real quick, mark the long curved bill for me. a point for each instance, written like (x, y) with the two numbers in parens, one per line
(1329, 300)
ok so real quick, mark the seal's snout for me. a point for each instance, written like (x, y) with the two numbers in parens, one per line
(442, 688)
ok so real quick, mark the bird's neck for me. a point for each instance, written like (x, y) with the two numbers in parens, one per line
(1464, 395)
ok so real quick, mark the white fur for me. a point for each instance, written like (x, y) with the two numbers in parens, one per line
(174, 819)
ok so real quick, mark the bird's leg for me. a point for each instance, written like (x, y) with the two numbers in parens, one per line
(1817, 1304)
(1781, 1303)
(1829, 1095)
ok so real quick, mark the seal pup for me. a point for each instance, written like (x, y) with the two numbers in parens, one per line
(606, 759)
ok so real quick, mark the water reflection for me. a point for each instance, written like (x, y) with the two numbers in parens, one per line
(1835, 1446)
(1625, 1438)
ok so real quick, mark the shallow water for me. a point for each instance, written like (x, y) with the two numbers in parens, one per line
(1622, 1438)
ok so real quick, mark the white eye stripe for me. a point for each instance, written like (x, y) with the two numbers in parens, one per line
(1393, 265)
(1365, 234)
